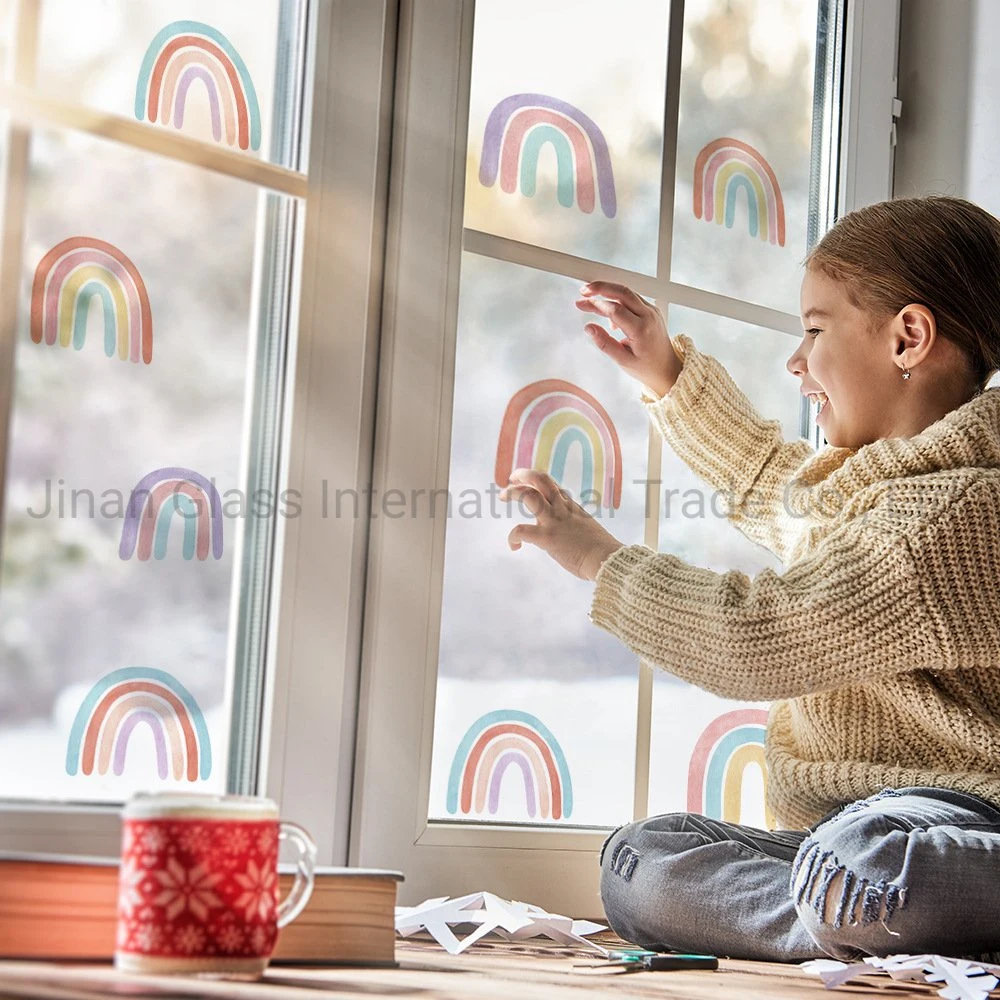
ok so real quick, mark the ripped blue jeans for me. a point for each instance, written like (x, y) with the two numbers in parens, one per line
(909, 870)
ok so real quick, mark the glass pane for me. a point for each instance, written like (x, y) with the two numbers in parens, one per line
(743, 148)
(125, 499)
(535, 705)
(204, 67)
(691, 525)
(706, 753)
(566, 138)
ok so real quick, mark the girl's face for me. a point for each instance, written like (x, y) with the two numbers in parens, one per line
(851, 363)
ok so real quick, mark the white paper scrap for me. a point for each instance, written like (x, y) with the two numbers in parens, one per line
(487, 913)
(959, 979)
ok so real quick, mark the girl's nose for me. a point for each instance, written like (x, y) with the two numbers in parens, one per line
(796, 363)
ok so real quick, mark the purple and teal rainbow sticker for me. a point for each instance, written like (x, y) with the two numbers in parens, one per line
(187, 52)
(505, 739)
(127, 698)
(151, 511)
(517, 130)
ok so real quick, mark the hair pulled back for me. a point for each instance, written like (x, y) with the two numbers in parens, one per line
(937, 251)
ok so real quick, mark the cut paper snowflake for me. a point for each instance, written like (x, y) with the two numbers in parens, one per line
(959, 979)
(487, 913)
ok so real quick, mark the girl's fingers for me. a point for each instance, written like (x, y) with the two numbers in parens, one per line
(622, 293)
(543, 483)
(621, 317)
(612, 347)
(510, 493)
(523, 533)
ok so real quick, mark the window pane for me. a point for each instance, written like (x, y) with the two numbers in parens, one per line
(743, 148)
(566, 136)
(706, 753)
(132, 352)
(535, 704)
(691, 526)
(206, 68)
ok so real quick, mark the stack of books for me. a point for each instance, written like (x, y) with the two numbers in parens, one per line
(66, 907)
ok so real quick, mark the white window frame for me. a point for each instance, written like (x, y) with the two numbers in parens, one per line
(306, 728)
(555, 867)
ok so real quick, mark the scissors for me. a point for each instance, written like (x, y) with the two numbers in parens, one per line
(640, 960)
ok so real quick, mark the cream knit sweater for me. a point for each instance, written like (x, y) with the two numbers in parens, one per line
(879, 645)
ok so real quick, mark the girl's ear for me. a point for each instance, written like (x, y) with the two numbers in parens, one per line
(916, 329)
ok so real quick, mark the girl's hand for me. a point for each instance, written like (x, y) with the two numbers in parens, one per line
(645, 352)
(564, 529)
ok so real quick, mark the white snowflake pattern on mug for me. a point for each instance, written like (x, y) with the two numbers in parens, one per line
(189, 939)
(130, 882)
(258, 884)
(230, 939)
(187, 889)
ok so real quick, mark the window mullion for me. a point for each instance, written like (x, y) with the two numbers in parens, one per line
(12, 209)
(39, 110)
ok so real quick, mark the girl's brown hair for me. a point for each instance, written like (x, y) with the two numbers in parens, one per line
(938, 251)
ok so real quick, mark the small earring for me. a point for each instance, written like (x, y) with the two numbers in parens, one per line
(906, 374)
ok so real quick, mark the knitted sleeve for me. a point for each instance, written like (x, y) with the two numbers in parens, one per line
(712, 426)
(851, 612)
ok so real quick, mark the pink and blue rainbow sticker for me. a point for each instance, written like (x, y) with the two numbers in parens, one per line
(726, 748)
(127, 698)
(501, 740)
(186, 52)
(519, 127)
(73, 273)
(722, 169)
(543, 421)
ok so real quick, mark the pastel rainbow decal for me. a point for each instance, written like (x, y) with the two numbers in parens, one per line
(498, 741)
(151, 509)
(543, 420)
(517, 129)
(69, 277)
(184, 52)
(125, 699)
(724, 167)
(727, 747)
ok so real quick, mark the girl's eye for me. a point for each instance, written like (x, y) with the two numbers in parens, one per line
(813, 331)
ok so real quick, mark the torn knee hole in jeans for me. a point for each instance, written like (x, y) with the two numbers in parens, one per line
(839, 895)
(623, 860)
(607, 840)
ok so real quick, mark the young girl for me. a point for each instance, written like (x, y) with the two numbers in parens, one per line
(879, 645)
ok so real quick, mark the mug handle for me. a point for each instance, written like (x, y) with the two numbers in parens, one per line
(305, 866)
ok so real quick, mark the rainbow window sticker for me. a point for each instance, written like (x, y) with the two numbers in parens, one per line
(726, 748)
(184, 52)
(723, 168)
(122, 700)
(543, 420)
(497, 741)
(152, 504)
(517, 129)
(69, 276)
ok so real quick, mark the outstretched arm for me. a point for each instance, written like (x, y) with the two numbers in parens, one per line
(712, 426)
(703, 415)
(852, 612)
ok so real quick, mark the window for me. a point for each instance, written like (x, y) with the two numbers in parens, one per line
(389, 290)
(166, 277)
(537, 732)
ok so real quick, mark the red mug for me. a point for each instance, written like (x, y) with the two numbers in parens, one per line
(198, 884)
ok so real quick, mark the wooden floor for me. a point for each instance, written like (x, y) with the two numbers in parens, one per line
(488, 971)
